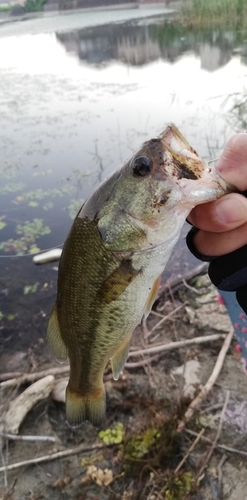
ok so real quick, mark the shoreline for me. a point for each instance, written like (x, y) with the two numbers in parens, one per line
(5, 17)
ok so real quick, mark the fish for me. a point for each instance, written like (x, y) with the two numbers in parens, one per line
(112, 260)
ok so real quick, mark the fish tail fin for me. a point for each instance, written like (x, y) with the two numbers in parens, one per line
(81, 407)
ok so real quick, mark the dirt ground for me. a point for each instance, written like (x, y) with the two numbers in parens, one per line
(139, 455)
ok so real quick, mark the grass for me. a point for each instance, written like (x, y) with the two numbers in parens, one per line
(6, 9)
(215, 12)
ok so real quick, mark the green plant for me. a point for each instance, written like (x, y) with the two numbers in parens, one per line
(34, 5)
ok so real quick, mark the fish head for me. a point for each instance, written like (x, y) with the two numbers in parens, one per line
(160, 183)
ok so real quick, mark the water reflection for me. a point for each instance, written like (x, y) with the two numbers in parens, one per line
(143, 44)
(73, 105)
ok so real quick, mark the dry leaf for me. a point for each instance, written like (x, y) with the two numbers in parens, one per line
(60, 483)
(100, 476)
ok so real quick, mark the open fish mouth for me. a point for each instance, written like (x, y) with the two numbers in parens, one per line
(184, 160)
(185, 163)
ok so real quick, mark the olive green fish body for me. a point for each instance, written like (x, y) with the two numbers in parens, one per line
(115, 252)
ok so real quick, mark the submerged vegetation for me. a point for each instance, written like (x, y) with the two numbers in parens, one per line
(29, 232)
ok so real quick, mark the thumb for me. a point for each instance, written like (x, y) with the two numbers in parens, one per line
(232, 165)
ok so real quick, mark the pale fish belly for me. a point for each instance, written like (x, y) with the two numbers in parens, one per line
(120, 317)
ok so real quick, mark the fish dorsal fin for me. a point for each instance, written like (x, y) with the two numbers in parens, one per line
(120, 357)
(151, 298)
(54, 338)
(117, 282)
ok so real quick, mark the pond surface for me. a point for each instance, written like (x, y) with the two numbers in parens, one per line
(78, 94)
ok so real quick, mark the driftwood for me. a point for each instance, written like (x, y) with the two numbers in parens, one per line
(58, 391)
(20, 406)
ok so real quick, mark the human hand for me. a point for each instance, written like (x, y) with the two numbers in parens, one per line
(222, 225)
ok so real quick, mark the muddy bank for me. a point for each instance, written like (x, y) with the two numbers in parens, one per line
(138, 453)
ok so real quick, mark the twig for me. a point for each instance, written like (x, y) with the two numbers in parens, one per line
(140, 363)
(174, 345)
(4, 462)
(209, 384)
(192, 288)
(165, 318)
(219, 446)
(219, 471)
(53, 456)
(32, 377)
(174, 283)
(18, 437)
(198, 437)
(209, 454)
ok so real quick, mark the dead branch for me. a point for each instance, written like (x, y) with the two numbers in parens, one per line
(32, 377)
(175, 345)
(220, 474)
(212, 448)
(198, 437)
(143, 362)
(174, 283)
(219, 446)
(165, 318)
(53, 456)
(20, 406)
(209, 384)
(20, 437)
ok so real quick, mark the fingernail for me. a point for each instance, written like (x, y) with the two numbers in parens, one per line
(231, 210)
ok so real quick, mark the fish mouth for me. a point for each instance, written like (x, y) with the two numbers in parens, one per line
(184, 160)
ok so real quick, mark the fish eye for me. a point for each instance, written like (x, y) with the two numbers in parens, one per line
(142, 166)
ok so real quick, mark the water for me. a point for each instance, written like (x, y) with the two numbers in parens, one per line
(77, 96)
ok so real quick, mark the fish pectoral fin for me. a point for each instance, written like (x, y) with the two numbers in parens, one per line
(119, 359)
(54, 337)
(152, 296)
(80, 407)
(118, 281)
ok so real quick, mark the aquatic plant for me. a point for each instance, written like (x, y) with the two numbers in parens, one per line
(30, 289)
(73, 208)
(40, 194)
(29, 232)
(12, 187)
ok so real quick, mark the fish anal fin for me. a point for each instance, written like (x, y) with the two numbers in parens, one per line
(152, 295)
(54, 338)
(119, 358)
(118, 281)
(81, 407)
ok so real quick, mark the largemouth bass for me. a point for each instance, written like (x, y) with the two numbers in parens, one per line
(116, 250)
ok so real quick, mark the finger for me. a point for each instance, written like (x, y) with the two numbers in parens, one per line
(232, 165)
(224, 214)
(216, 244)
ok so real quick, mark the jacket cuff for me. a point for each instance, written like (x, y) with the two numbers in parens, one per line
(192, 248)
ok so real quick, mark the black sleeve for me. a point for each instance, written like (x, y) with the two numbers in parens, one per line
(228, 272)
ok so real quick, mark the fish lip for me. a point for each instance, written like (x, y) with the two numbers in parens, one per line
(184, 159)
